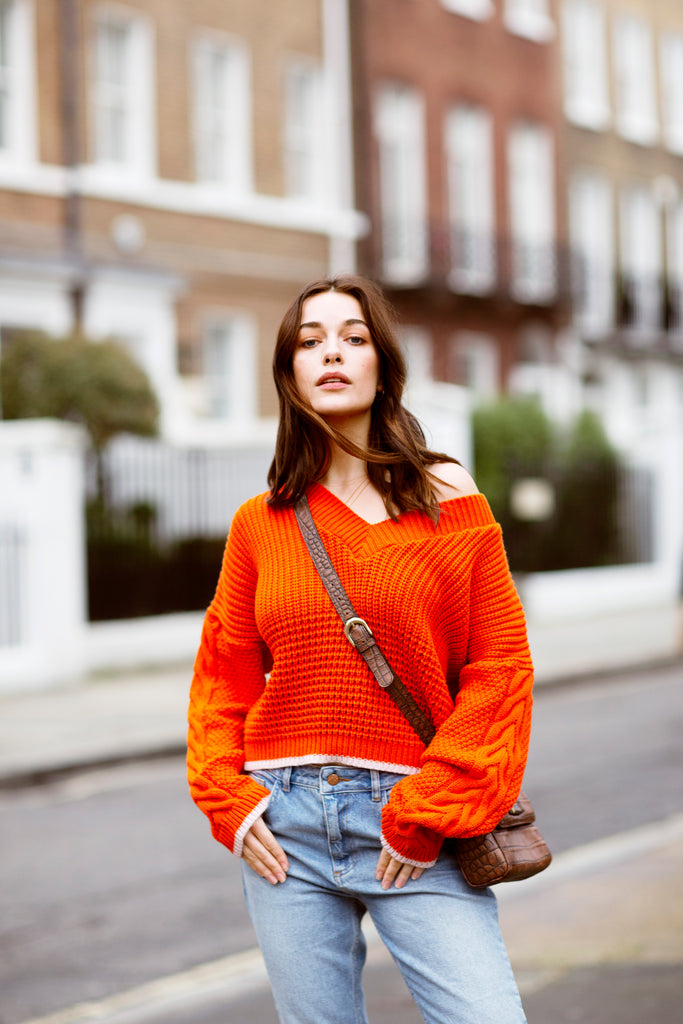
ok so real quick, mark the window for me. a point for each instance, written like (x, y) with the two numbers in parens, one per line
(591, 229)
(674, 256)
(229, 355)
(17, 93)
(634, 79)
(400, 133)
(416, 344)
(529, 18)
(474, 363)
(304, 136)
(585, 64)
(222, 136)
(123, 93)
(640, 249)
(532, 213)
(469, 147)
(672, 90)
(477, 10)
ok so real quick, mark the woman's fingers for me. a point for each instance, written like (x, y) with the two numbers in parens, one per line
(392, 872)
(264, 855)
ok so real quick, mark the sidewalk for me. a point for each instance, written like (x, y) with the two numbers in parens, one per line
(109, 719)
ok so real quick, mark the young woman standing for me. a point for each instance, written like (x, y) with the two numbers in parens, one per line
(305, 767)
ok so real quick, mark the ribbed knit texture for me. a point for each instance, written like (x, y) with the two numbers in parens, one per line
(442, 605)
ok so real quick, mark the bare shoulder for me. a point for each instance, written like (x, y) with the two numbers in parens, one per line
(452, 481)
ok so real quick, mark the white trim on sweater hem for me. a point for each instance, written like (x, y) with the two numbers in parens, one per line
(353, 762)
(406, 860)
(247, 823)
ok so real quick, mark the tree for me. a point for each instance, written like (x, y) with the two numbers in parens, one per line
(96, 383)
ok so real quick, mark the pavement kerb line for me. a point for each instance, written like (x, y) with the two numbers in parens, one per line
(242, 973)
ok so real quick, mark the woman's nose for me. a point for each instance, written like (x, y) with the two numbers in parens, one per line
(332, 353)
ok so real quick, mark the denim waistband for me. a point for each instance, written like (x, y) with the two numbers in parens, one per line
(331, 777)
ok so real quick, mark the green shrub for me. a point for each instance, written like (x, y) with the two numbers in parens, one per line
(514, 440)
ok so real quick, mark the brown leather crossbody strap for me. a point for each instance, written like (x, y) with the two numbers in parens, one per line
(357, 631)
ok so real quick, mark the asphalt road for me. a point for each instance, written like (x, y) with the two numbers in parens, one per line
(110, 879)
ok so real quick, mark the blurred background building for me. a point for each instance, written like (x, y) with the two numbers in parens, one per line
(511, 171)
(170, 174)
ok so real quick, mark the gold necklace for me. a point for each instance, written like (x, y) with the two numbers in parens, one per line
(356, 493)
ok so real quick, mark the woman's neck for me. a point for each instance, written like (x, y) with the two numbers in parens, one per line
(344, 473)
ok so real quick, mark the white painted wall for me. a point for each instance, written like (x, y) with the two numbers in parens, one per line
(35, 300)
(444, 412)
(41, 499)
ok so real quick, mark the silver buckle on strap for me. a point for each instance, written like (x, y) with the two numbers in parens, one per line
(350, 623)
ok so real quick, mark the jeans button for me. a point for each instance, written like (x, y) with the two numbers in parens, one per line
(333, 779)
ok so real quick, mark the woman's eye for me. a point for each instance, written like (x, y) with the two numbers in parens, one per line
(356, 340)
(309, 342)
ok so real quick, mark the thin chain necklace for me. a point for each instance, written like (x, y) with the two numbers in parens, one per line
(355, 493)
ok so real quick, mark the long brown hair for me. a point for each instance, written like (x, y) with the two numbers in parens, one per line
(397, 457)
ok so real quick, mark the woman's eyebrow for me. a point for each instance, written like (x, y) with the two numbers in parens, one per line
(315, 324)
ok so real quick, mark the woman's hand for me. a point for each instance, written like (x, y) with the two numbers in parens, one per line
(263, 853)
(391, 871)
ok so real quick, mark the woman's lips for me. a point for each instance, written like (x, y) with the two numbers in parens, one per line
(333, 381)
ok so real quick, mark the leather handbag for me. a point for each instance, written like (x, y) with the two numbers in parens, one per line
(515, 848)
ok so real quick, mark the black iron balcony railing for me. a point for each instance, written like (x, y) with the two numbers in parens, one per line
(473, 262)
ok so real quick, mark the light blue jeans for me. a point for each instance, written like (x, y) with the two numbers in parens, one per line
(443, 935)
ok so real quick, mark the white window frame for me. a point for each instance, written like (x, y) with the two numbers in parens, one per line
(641, 255)
(531, 191)
(18, 84)
(586, 78)
(418, 350)
(479, 354)
(135, 96)
(530, 19)
(671, 67)
(476, 10)
(634, 83)
(400, 133)
(471, 199)
(222, 111)
(592, 236)
(304, 131)
(236, 404)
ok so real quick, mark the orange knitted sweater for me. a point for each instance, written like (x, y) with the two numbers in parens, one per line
(442, 605)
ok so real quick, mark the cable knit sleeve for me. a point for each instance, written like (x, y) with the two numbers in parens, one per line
(472, 771)
(228, 679)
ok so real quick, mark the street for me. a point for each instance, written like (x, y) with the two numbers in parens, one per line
(110, 878)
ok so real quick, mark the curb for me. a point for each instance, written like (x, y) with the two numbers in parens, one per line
(23, 778)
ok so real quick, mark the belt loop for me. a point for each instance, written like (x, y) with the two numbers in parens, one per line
(376, 782)
(286, 777)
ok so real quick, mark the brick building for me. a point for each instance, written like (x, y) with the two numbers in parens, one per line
(458, 118)
(164, 179)
(623, 141)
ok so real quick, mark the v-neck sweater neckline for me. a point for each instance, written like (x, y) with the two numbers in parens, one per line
(333, 515)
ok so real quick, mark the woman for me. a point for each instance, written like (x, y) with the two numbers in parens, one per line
(313, 776)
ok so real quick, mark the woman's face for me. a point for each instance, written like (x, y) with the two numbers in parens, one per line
(335, 363)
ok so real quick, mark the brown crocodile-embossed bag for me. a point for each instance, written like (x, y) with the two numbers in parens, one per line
(515, 849)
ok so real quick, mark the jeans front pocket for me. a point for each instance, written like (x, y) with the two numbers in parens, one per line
(271, 780)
